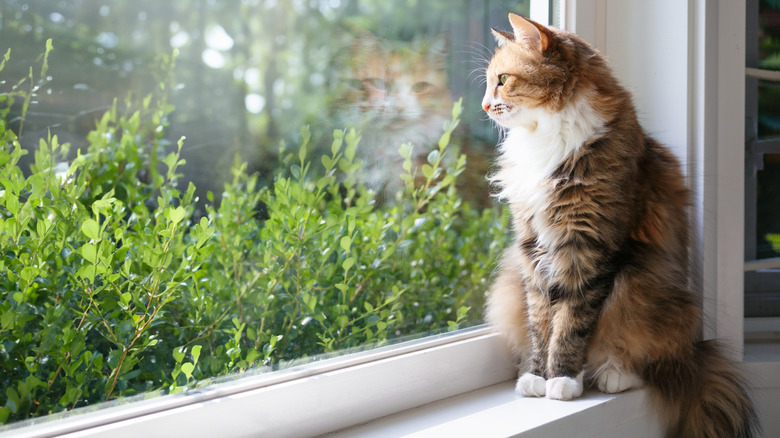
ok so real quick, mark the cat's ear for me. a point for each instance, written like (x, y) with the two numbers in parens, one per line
(533, 34)
(502, 37)
(437, 47)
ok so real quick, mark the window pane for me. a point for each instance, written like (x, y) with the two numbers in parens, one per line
(762, 225)
(768, 109)
(769, 35)
(769, 59)
(768, 223)
(207, 217)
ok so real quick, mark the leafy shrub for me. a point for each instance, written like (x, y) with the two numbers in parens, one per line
(112, 286)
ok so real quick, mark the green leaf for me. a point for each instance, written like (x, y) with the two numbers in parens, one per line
(175, 215)
(427, 171)
(457, 109)
(8, 318)
(310, 301)
(5, 412)
(6, 57)
(406, 151)
(170, 161)
(187, 368)
(444, 140)
(28, 274)
(13, 401)
(346, 243)
(91, 229)
(89, 252)
(433, 156)
(195, 353)
(352, 139)
(88, 272)
(305, 137)
(348, 263)
(11, 203)
(327, 163)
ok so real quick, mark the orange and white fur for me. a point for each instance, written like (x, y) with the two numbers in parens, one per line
(594, 289)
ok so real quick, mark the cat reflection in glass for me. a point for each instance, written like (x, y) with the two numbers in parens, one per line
(396, 93)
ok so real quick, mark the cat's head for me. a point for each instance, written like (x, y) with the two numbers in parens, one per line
(394, 82)
(539, 69)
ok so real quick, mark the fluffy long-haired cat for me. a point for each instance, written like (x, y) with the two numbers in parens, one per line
(594, 289)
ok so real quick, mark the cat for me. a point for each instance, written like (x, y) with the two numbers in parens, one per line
(396, 93)
(594, 288)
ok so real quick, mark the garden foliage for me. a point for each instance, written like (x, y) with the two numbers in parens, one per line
(111, 285)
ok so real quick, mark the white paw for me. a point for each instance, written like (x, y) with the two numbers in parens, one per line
(613, 381)
(564, 388)
(530, 385)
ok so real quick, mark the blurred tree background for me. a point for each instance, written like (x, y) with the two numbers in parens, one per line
(249, 73)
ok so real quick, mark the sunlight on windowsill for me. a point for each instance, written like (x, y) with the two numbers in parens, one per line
(496, 411)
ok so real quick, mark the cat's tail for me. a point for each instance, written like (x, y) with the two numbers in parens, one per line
(704, 395)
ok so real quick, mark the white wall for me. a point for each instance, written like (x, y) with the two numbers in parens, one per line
(647, 45)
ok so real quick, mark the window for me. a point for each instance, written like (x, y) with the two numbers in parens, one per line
(335, 393)
(120, 278)
(762, 160)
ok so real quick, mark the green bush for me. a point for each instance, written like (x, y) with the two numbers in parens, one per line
(112, 285)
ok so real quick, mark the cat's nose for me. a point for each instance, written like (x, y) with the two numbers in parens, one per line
(486, 106)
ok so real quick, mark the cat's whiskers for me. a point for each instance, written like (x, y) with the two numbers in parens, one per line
(481, 51)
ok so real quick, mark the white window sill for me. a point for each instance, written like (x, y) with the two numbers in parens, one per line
(496, 412)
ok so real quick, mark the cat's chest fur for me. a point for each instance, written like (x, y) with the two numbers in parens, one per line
(534, 149)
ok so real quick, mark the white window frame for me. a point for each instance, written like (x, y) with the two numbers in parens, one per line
(684, 60)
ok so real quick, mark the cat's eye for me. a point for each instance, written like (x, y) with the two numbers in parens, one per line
(503, 78)
(421, 87)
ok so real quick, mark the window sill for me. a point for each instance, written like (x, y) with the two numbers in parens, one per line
(496, 412)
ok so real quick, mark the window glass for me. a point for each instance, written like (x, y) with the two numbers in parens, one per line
(769, 35)
(762, 155)
(769, 59)
(768, 225)
(212, 187)
(768, 109)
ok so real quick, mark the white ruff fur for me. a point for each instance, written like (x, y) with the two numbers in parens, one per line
(537, 141)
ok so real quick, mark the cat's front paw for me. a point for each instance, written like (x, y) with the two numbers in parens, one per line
(530, 385)
(564, 388)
